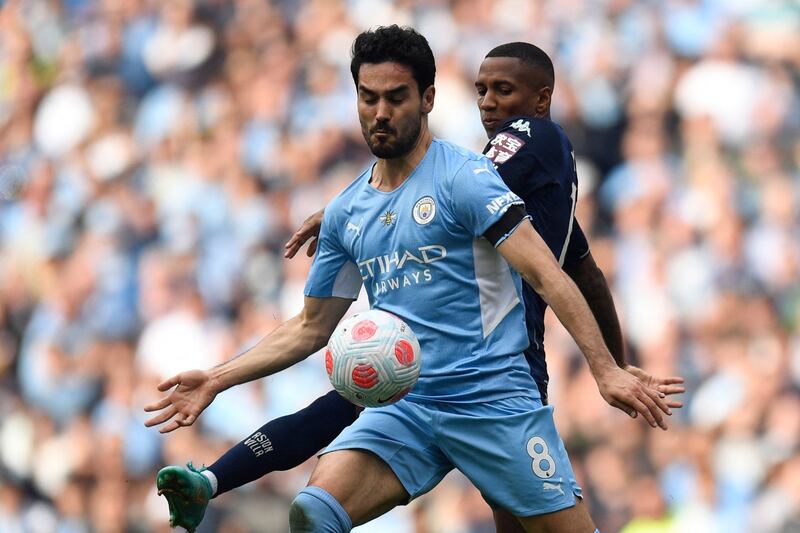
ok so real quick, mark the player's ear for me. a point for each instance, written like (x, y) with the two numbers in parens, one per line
(427, 99)
(543, 100)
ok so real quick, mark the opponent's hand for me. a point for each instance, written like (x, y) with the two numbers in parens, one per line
(308, 230)
(626, 392)
(193, 393)
(667, 386)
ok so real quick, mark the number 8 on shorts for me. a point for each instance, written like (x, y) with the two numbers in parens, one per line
(543, 464)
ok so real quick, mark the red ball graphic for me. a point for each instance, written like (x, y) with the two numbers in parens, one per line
(364, 330)
(329, 361)
(365, 376)
(404, 352)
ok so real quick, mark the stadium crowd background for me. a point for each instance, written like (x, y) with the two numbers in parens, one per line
(155, 156)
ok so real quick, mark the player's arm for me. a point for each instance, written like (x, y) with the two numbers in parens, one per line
(593, 285)
(528, 254)
(594, 288)
(288, 344)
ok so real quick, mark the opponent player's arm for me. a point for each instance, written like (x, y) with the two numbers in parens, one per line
(594, 287)
(288, 344)
(592, 284)
(308, 230)
(528, 254)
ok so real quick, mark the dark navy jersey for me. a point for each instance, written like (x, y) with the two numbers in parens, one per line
(536, 160)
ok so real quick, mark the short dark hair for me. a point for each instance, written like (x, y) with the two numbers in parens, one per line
(530, 54)
(400, 45)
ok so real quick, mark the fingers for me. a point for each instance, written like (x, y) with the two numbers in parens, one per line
(292, 246)
(648, 409)
(178, 422)
(161, 418)
(674, 404)
(625, 408)
(639, 402)
(671, 389)
(312, 248)
(168, 384)
(297, 241)
(674, 380)
(172, 426)
(659, 399)
(157, 406)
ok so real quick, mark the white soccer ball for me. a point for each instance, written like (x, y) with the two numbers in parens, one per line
(373, 358)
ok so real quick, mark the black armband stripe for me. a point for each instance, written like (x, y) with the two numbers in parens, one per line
(511, 218)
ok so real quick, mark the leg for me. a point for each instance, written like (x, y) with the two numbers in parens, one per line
(281, 444)
(388, 456)
(356, 486)
(285, 442)
(574, 519)
(512, 453)
(505, 522)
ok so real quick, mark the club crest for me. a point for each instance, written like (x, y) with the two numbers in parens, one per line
(424, 210)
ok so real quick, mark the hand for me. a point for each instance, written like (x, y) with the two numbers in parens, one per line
(626, 392)
(666, 386)
(308, 230)
(194, 392)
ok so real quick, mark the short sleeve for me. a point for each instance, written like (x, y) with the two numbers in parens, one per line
(479, 196)
(333, 273)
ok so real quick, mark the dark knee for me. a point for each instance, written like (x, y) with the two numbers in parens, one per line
(299, 518)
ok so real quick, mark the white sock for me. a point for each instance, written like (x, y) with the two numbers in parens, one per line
(212, 479)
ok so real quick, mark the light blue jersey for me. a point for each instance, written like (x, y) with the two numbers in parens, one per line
(418, 251)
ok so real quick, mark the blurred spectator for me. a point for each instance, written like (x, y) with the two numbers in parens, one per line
(155, 156)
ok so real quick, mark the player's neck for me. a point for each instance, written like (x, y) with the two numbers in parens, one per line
(389, 174)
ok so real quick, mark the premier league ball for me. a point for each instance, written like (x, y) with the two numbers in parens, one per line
(373, 358)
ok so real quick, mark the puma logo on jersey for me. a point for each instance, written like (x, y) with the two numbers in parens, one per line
(479, 170)
(353, 227)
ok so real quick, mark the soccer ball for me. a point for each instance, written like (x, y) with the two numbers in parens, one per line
(373, 358)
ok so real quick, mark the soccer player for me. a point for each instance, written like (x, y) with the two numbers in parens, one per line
(473, 375)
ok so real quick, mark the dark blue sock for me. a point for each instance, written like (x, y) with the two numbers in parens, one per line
(285, 442)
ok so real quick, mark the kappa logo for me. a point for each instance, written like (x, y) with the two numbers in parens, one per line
(424, 210)
(522, 126)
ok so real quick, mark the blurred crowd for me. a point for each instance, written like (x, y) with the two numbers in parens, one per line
(155, 156)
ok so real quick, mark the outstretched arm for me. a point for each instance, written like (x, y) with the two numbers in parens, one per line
(288, 344)
(528, 254)
(594, 287)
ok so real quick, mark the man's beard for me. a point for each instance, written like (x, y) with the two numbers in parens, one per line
(402, 145)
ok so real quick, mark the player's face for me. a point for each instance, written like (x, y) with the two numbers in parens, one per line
(507, 87)
(390, 108)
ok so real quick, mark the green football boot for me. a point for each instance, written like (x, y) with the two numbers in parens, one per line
(187, 492)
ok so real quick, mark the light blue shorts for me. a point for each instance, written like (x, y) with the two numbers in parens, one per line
(509, 449)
